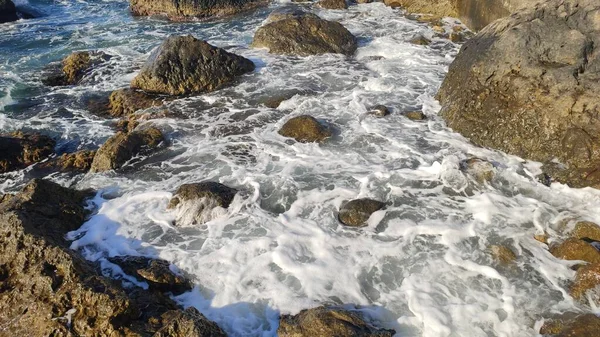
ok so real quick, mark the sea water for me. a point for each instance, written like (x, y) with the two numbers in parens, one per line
(421, 266)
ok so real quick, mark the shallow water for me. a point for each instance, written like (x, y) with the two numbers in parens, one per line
(422, 265)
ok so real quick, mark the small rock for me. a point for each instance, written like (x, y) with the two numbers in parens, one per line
(379, 111)
(187, 323)
(575, 249)
(357, 212)
(305, 129)
(503, 254)
(544, 179)
(328, 322)
(8, 11)
(333, 4)
(201, 67)
(482, 170)
(123, 146)
(586, 230)
(438, 29)
(194, 203)
(80, 161)
(415, 115)
(420, 40)
(19, 150)
(124, 102)
(155, 272)
(185, 10)
(587, 277)
(305, 35)
(75, 67)
(543, 238)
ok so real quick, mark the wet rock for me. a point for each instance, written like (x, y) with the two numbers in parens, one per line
(8, 11)
(19, 150)
(503, 254)
(356, 212)
(420, 40)
(379, 111)
(305, 35)
(125, 102)
(156, 273)
(586, 230)
(80, 161)
(332, 4)
(305, 129)
(587, 278)
(481, 170)
(74, 67)
(575, 249)
(533, 73)
(187, 323)
(364, 1)
(196, 203)
(289, 12)
(184, 65)
(415, 115)
(327, 322)
(183, 10)
(572, 325)
(543, 238)
(123, 146)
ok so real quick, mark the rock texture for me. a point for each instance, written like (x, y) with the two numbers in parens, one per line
(184, 65)
(8, 11)
(182, 10)
(328, 322)
(356, 212)
(19, 150)
(157, 273)
(587, 278)
(305, 35)
(125, 102)
(503, 254)
(289, 12)
(305, 129)
(528, 85)
(575, 249)
(333, 4)
(220, 194)
(481, 170)
(74, 67)
(586, 230)
(572, 325)
(46, 289)
(78, 162)
(123, 146)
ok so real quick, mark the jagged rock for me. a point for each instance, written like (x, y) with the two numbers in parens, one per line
(527, 85)
(19, 150)
(356, 212)
(184, 65)
(156, 273)
(305, 129)
(503, 254)
(379, 111)
(575, 249)
(415, 115)
(328, 322)
(305, 35)
(587, 278)
(572, 325)
(420, 40)
(80, 161)
(182, 10)
(125, 102)
(122, 147)
(482, 170)
(332, 4)
(8, 11)
(74, 67)
(586, 230)
(187, 323)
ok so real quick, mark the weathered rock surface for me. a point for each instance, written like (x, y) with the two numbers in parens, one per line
(356, 212)
(587, 278)
(289, 12)
(122, 147)
(46, 289)
(155, 272)
(528, 85)
(79, 161)
(19, 150)
(328, 322)
(8, 11)
(305, 129)
(333, 4)
(575, 249)
(184, 65)
(125, 102)
(586, 230)
(74, 67)
(182, 10)
(305, 35)
(187, 323)
(220, 194)
(572, 325)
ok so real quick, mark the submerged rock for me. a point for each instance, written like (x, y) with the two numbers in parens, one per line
(379, 111)
(19, 150)
(195, 202)
(420, 40)
(181, 10)
(156, 273)
(503, 254)
(328, 322)
(74, 67)
(125, 102)
(587, 278)
(333, 4)
(357, 212)
(527, 85)
(80, 161)
(8, 11)
(305, 35)
(184, 65)
(123, 146)
(575, 249)
(305, 129)
(415, 115)
(481, 170)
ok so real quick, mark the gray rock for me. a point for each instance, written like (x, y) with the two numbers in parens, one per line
(379, 111)
(182, 10)
(528, 85)
(184, 65)
(357, 212)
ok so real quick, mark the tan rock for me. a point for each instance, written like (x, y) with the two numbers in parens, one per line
(586, 230)
(587, 278)
(575, 249)
(503, 254)
(305, 129)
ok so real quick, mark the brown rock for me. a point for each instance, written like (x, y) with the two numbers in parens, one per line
(75, 67)
(187, 323)
(586, 230)
(574, 249)
(183, 10)
(221, 195)
(420, 40)
(125, 102)
(572, 325)
(333, 4)
(288, 12)
(328, 322)
(80, 161)
(587, 278)
(201, 67)
(356, 212)
(123, 146)
(415, 115)
(503, 254)
(482, 170)
(155, 272)
(305, 129)
(19, 150)
(543, 238)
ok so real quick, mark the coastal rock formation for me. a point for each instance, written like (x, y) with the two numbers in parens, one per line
(184, 65)
(19, 150)
(572, 325)
(586, 230)
(194, 203)
(8, 11)
(305, 129)
(49, 290)
(182, 10)
(289, 12)
(79, 161)
(356, 212)
(575, 249)
(333, 4)
(122, 147)
(125, 102)
(586, 279)
(305, 35)
(327, 322)
(157, 273)
(74, 67)
(528, 85)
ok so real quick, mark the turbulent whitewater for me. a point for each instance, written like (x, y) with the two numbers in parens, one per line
(422, 266)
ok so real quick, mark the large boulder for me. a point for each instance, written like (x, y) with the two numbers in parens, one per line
(528, 85)
(303, 35)
(196, 202)
(181, 10)
(74, 67)
(328, 322)
(184, 65)
(355, 213)
(123, 146)
(305, 129)
(19, 150)
(8, 11)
